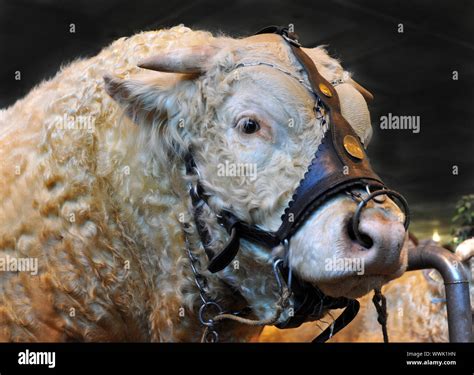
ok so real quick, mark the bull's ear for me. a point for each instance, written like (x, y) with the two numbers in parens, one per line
(118, 88)
(130, 91)
(165, 104)
(141, 95)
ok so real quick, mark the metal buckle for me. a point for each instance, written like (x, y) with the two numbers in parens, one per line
(287, 262)
(277, 262)
(277, 273)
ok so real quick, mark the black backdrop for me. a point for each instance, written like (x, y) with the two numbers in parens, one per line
(410, 73)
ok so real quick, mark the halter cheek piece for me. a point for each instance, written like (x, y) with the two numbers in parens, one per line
(340, 165)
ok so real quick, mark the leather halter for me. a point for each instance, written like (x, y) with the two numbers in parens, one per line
(340, 164)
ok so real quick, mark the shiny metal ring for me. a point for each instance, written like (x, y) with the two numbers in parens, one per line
(211, 337)
(203, 310)
(380, 199)
(363, 203)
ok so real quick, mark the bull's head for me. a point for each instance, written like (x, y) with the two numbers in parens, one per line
(253, 131)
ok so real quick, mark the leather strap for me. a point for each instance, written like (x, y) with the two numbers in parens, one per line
(235, 227)
(341, 321)
(325, 176)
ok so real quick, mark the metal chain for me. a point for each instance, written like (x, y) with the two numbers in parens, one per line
(210, 334)
(207, 303)
(199, 280)
(337, 81)
(281, 304)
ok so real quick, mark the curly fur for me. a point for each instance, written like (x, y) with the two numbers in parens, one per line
(100, 277)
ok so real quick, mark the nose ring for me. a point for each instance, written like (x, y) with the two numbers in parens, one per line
(391, 193)
(381, 199)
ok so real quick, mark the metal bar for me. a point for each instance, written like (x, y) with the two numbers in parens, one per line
(456, 282)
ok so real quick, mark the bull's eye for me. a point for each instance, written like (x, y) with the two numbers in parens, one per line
(248, 126)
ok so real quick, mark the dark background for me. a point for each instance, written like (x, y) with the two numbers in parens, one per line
(409, 73)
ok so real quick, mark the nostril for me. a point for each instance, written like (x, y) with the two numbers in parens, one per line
(367, 242)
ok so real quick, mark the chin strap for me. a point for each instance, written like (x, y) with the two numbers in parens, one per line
(341, 321)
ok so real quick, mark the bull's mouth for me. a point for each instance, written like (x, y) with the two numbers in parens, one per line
(311, 301)
(356, 286)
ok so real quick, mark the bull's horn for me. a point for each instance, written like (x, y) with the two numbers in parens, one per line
(190, 60)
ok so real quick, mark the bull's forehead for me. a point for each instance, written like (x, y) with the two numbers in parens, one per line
(273, 49)
(269, 48)
(283, 96)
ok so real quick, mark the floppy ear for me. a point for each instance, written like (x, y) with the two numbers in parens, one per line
(138, 97)
(165, 106)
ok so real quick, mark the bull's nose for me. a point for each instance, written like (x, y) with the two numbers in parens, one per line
(383, 235)
(366, 241)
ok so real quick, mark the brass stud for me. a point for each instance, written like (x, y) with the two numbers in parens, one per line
(353, 147)
(325, 90)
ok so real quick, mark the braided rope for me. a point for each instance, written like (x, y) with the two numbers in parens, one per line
(280, 305)
(380, 303)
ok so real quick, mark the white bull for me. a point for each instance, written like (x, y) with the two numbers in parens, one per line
(96, 191)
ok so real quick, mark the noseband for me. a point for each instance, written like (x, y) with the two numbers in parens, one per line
(340, 165)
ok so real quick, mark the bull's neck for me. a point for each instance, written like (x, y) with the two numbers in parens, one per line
(156, 204)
